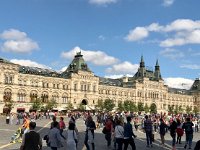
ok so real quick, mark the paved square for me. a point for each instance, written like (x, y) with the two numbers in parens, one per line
(6, 131)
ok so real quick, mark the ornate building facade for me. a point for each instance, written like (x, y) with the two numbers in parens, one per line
(78, 84)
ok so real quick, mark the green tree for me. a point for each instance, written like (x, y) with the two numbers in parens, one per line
(100, 105)
(69, 106)
(133, 107)
(196, 110)
(180, 109)
(188, 109)
(120, 106)
(153, 108)
(109, 105)
(176, 110)
(51, 104)
(37, 104)
(140, 106)
(171, 108)
(81, 107)
(9, 104)
(146, 108)
(127, 106)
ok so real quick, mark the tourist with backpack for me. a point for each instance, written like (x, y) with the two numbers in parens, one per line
(188, 127)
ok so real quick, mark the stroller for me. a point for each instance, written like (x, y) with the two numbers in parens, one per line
(17, 137)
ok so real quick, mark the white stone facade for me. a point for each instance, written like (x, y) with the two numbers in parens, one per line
(21, 88)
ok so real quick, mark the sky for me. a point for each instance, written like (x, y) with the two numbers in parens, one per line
(111, 34)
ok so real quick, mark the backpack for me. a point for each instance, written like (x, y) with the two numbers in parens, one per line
(188, 128)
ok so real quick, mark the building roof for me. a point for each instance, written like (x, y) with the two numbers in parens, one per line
(178, 91)
(78, 63)
(38, 71)
(196, 85)
(110, 82)
(5, 61)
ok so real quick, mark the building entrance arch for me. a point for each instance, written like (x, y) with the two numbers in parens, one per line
(84, 102)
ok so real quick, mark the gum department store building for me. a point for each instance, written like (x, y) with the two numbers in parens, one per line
(78, 84)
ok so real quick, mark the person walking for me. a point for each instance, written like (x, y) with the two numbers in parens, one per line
(128, 135)
(26, 124)
(162, 132)
(148, 130)
(179, 131)
(71, 137)
(54, 137)
(89, 134)
(109, 128)
(173, 128)
(32, 139)
(119, 135)
(187, 126)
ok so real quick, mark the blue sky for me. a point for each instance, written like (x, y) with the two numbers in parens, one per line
(112, 35)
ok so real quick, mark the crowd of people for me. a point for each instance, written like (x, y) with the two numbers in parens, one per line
(176, 125)
(118, 129)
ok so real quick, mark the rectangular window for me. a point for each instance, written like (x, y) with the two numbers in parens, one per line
(85, 88)
(94, 88)
(75, 87)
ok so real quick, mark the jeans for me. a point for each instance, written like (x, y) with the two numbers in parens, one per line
(53, 148)
(173, 139)
(189, 138)
(149, 137)
(178, 139)
(119, 142)
(131, 142)
(86, 142)
(108, 138)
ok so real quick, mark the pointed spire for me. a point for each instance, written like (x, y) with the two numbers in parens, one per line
(157, 64)
(142, 59)
(142, 64)
(157, 67)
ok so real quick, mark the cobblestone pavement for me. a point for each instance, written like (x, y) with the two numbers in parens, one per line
(6, 131)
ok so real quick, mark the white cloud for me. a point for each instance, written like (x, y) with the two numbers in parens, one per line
(182, 31)
(168, 2)
(26, 62)
(182, 25)
(172, 42)
(102, 2)
(182, 38)
(96, 57)
(117, 76)
(137, 34)
(13, 34)
(191, 66)
(123, 68)
(17, 42)
(180, 83)
(172, 53)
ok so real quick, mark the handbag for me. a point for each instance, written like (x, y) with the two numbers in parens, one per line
(46, 138)
(104, 131)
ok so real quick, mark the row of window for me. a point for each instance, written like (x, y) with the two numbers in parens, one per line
(85, 87)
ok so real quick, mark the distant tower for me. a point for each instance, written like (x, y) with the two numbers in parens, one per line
(157, 73)
(142, 69)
